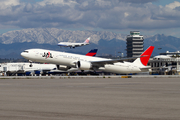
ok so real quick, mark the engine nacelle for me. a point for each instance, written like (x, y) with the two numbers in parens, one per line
(84, 65)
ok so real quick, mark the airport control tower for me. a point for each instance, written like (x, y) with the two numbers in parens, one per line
(134, 44)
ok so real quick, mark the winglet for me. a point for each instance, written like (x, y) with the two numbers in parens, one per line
(87, 40)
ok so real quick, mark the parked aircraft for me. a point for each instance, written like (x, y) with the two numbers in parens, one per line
(73, 45)
(24, 68)
(158, 57)
(82, 62)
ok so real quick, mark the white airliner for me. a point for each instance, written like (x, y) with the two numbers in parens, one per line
(73, 45)
(82, 62)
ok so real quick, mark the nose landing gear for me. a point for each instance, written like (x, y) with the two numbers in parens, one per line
(30, 63)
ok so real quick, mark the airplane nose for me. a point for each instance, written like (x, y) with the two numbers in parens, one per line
(22, 54)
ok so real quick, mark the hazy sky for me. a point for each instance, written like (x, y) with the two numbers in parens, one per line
(121, 16)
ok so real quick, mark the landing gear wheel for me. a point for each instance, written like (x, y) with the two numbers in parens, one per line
(30, 63)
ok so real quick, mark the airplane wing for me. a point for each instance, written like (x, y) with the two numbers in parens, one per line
(110, 61)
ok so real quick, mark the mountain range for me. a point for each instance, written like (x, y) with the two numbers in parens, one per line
(14, 42)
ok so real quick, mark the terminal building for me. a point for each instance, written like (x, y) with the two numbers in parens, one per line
(165, 65)
(175, 54)
(134, 43)
(14, 69)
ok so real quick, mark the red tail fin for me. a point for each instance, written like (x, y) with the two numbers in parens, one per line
(146, 55)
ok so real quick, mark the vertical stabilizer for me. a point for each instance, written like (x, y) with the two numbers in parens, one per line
(87, 40)
(92, 52)
(144, 57)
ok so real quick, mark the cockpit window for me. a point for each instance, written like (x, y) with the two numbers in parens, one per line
(26, 51)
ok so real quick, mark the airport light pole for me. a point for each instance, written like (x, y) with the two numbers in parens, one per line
(159, 49)
(120, 54)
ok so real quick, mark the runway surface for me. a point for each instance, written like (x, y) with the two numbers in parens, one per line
(90, 99)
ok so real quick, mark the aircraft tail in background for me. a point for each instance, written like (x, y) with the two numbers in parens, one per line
(87, 40)
(92, 52)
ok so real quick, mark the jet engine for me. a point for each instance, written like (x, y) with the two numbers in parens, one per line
(84, 65)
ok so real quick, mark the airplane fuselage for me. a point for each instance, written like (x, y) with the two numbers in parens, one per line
(71, 44)
(56, 57)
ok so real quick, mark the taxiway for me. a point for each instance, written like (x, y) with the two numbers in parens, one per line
(90, 99)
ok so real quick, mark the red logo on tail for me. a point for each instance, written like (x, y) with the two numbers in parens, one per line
(87, 41)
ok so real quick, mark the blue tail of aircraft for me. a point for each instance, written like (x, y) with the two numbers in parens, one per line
(92, 52)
